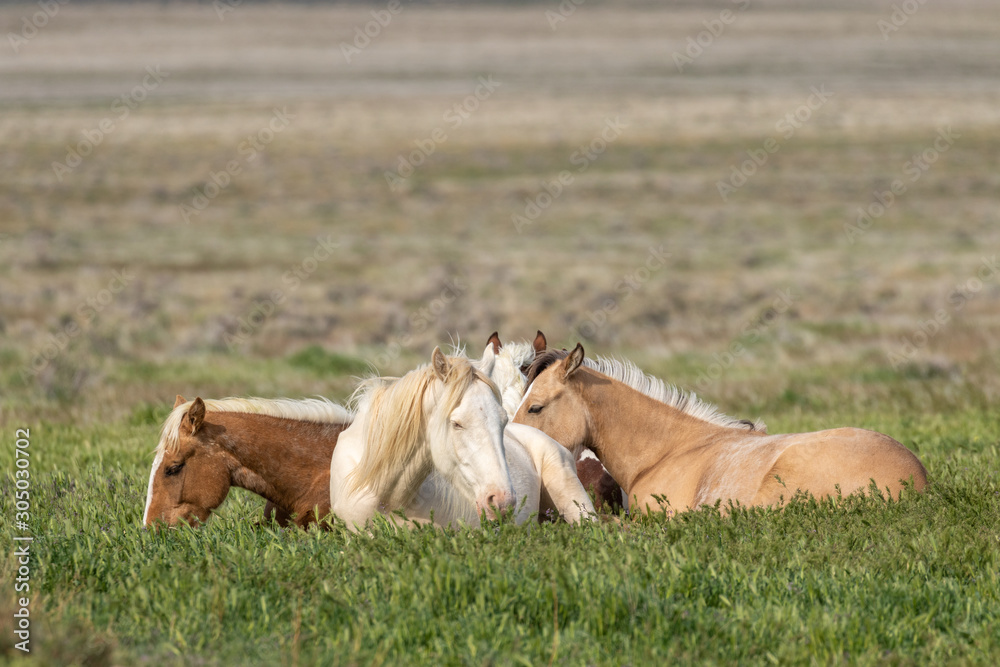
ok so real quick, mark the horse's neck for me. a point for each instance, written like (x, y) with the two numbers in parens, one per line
(279, 458)
(405, 484)
(631, 432)
(399, 489)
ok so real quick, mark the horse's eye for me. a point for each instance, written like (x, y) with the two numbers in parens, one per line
(455, 425)
(173, 470)
(535, 409)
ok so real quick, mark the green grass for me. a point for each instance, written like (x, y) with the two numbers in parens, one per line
(859, 581)
(855, 582)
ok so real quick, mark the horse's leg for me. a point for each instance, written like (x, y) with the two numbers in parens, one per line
(277, 513)
(557, 471)
(524, 478)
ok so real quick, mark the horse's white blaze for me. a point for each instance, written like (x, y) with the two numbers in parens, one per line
(157, 462)
(527, 393)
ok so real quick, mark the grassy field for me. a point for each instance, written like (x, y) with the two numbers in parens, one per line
(235, 233)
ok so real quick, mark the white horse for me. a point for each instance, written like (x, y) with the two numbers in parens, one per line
(552, 478)
(433, 444)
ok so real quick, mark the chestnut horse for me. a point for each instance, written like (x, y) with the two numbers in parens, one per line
(690, 455)
(279, 449)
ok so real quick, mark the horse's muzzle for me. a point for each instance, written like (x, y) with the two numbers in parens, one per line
(494, 503)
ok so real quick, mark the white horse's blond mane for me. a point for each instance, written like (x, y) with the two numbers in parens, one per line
(395, 426)
(317, 410)
(686, 401)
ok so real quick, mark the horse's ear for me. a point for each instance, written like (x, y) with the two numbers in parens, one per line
(179, 401)
(440, 363)
(488, 361)
(540, 344)
(195, 416)
(573, 361)
(495, 342)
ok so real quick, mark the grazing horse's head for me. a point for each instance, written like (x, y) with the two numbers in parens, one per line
(191, 474)
(552, 404)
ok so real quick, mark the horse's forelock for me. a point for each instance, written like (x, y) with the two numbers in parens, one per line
(543, 361)
(460, 377)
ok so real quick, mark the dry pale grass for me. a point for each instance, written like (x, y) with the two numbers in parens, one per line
(582, 269)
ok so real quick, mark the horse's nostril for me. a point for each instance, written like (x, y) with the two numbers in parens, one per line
(491, 499)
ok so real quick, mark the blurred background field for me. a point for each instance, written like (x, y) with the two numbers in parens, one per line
(306, 268)
(197, 314)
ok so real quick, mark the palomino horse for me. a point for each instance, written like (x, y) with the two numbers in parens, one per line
(513, 361)
(279, 449)
(424, 442)
(691, 455)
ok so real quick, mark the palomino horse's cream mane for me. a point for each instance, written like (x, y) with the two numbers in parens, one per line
(395, 425)
(628, 373)
(318, 410)
(686, 401)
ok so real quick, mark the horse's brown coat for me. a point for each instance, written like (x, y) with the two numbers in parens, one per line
(286, 461)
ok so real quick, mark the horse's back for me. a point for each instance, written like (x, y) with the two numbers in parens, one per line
(840, 461)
